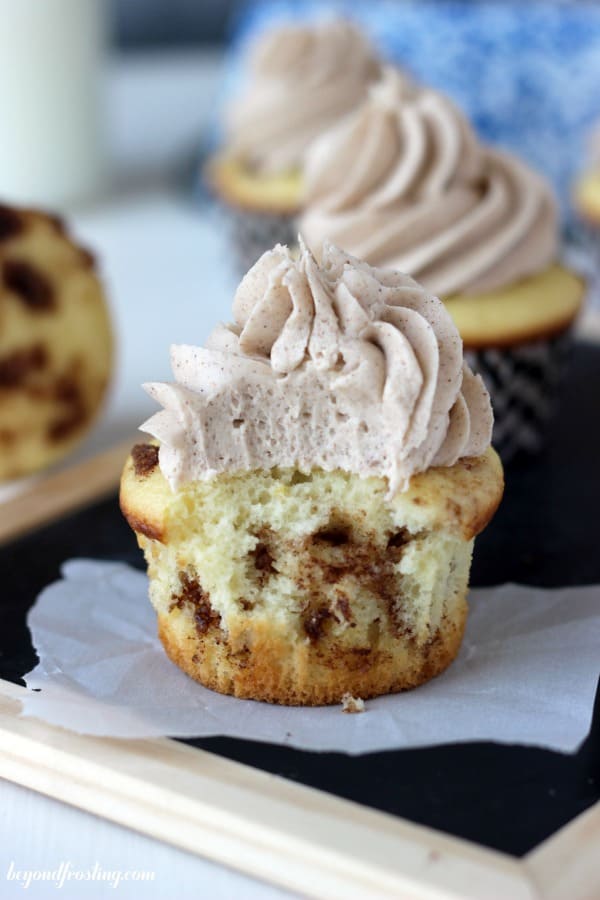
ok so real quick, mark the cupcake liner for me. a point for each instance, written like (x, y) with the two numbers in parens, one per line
(523, 384)
(253, 233)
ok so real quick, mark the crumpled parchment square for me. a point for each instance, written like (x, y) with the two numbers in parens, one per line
(527, 673)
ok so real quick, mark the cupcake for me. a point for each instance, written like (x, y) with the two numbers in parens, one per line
(404, 183)
(55, 342)
(586, 193)
(303, 78)
(317, 477)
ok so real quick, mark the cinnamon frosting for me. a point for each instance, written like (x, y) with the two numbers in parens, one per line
(404, 183)
(337, 365)
(304, 78)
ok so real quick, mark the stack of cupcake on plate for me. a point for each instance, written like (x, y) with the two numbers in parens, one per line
(343, 148)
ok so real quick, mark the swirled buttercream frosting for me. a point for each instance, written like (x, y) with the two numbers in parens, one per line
(404, 183)
(303, 79)
(337, 366)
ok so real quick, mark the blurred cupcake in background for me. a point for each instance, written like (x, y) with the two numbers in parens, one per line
(56, 342)
(303, 78)
(586, 194)
(404, 183)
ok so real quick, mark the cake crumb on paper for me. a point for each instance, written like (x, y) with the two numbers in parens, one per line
(352, 704)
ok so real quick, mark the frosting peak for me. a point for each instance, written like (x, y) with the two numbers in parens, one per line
(336, 366)
(404, 183)
(304, 78)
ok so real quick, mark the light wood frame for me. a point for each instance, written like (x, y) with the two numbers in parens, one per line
(267, 826)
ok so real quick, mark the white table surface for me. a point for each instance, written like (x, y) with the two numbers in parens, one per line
(165, 264)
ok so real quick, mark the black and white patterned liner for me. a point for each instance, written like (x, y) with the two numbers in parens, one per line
(523, 384)
(254, 233)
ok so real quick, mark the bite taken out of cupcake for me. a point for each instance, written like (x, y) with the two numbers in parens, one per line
(302, 79)
(405, 183)
(317, 477)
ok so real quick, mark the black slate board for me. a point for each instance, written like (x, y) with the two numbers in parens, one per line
(546, 533)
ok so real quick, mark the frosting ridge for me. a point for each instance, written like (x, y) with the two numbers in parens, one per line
(304, 78)
(404, 183)
(337, 365)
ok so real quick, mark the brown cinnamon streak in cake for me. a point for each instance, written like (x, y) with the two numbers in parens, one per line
(314, 622)
(67, 392)
(334, 536)
(343, 604)
(335, 556)
(193, 595)
(263, 562)
(30, 285)
(399, 538)
(11, 223)
(16, 367)
(145, 459)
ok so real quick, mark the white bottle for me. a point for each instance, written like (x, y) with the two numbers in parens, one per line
(51, 67)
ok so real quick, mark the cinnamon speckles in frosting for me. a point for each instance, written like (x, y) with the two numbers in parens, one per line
(404, 183)
(304, 78)
(337, 365)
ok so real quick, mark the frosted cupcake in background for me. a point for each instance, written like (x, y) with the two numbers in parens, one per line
(320, 471)
(404, 183)
(302, 79)
(586, 192)
(56, 341)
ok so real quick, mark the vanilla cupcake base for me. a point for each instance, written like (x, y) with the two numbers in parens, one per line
(294, 673)
(298, 588)
(587, 197)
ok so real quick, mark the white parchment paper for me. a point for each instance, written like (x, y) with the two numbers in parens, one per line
(527, 673)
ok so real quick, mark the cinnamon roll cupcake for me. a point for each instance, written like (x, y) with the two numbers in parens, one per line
(316, 481)
(405, 183)
(303, 79)
(56, 341)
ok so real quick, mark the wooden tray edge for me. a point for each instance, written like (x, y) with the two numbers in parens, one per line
(294, 836)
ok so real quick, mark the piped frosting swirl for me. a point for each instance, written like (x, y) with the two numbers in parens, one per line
(404, 183)
(304, 78)
(332, 366)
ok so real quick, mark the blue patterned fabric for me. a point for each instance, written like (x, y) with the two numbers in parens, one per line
(527, 73)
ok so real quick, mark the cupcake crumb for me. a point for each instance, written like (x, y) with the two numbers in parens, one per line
(352, 704)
